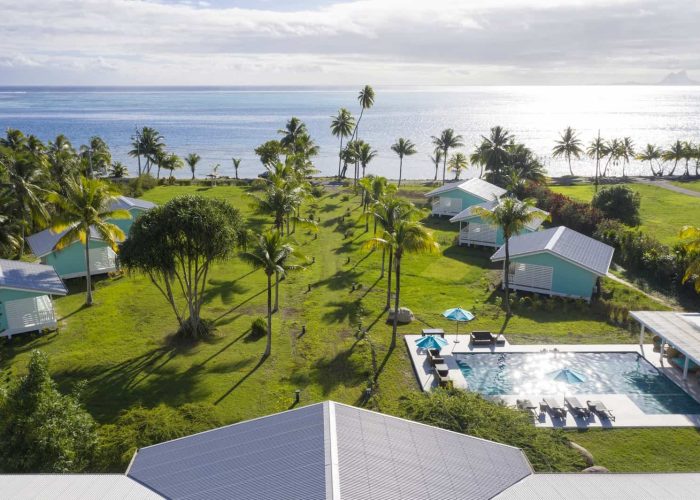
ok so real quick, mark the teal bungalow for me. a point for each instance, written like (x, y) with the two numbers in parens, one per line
(474, 231)
(455, 197)
(25, 297)
(70, 261)
(556, 261)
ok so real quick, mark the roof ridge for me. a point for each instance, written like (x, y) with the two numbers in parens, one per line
(555, 238)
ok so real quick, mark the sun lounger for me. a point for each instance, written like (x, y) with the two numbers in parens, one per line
(482, 337)
(553, 407)
(433, 331)
(442, 377)
(529, 406)
(601, 410)
(577, 408)
(434, 357)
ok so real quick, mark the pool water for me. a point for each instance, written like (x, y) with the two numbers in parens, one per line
(602, 372)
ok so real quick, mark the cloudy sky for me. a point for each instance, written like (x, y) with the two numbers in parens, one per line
(337, 42)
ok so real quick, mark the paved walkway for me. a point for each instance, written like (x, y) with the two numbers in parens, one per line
(665, 185)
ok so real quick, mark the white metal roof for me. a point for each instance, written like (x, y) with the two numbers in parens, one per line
(478, 187)
(682, 330)
(604, 487)
(329, 451)
(73, 487)
(468, 213)
(28, 276)
(577, 248)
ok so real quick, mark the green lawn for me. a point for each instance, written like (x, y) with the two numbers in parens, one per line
(663, 212)
(693, 185)
(123, 347)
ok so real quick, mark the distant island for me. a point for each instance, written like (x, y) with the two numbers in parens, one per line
(679, 78)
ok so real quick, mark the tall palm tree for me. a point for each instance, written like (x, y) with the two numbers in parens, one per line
(651, 153)
(135, 151)
(342, 126)
(118, 170)
(511, 215)
(366, 100)
(567, 146)
(457, 163)
(171, 162)
(436, 159)
(494, 150)
(292, 130)
(236, 165)
(477, 157)
(365, 155)
(387, 212)
(151, 146)
(272, 254)
(446, 141)
(403, 147)
(627, 153)
(408, 236)
(87, 206)
(613, 151)
(596, 149)
(688, 154)
(192, 159)
(96, 156)
(690, 237)
(674, 154)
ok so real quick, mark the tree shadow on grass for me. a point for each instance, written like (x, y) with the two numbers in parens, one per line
(234, 308)
(478, 257)
(340, 280)
(345, 310)
(330, 207)
(240, 381)
(225, 289)
(340, 369)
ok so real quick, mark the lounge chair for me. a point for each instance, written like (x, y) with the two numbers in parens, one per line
(528, 406)
(577, 408)
(433, 331)
(553, 407)
(483, 337)
(434, 357)
(601, 410)
(442, 377)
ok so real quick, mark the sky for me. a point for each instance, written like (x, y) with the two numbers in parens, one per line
(346, 42)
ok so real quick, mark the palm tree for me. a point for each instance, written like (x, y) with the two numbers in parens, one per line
(272, 254)
(171, 162)
(494, 151)
(151, 146)
(613, 151)
(436, 158)
(403, 147)
(569, 145)
(236, 164)
(365, 155)
(136, 145)
(192, 159)
(342, 126)
(408, 236)
(675, 154)
(457, 163)
(688, 154)
(14, 139)
(366, 100)
(650, 154)
(118, 170)
(446, 141)
(478, 158)
(387, 212)
(96, 155)
(691, 243)
(597, 150)
(626, 152)
(87, 206)
(292, 130)
(511, 215)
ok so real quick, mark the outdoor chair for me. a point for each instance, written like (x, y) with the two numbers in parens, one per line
(553, 407)
(434, 357)
(482, 337)
(443, 378)
(529, 406)
(601, 410)
(577, 408)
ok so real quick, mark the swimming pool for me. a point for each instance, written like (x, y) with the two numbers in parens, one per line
(600, 373)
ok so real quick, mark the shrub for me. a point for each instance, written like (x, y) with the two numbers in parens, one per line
(318, 191)
(619, 203)
(258, 328)
(469, 413)
(564, 211)
(136, 187)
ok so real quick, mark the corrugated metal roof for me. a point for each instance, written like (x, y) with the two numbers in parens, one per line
(575, 247)
(605, 487)
(478, 187)
(29, 276)
(384, 457)
(468, 213)
(43, 242)
(682, 330)
(72, 487)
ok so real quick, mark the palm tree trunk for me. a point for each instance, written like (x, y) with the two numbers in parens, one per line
(444, 166)
(506, 282)
(400, 169)
(340, 155)
(268, 347)
(388, 288)
(651, 165)
(570, 169)
(138, 157)
(396, 302)
(674, 168)
(277, 291)
(383, 259)
(88, 277)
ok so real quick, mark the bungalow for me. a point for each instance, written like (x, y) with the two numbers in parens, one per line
(556, 261)
(452, 198)
(474, 231)
(70, 261)
(25, 297)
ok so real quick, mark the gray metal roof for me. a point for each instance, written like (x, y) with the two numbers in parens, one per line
(682, 330)
(72, 487)
(478, 187)
(468, 213)
(566, 243)
(43, 242)
(605, 487)
(28, 276)
(329, 451)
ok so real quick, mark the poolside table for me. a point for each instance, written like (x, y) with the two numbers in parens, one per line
(433, 331)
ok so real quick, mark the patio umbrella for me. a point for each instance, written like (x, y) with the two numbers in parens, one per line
(567, 375)
(431, 342)
(459, 315)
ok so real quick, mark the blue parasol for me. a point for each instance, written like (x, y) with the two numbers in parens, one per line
(431, 342)
(459, 315)
(568, 376)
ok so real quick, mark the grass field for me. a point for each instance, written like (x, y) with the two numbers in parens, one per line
(693, 185)
(123, 345)
(663, 212)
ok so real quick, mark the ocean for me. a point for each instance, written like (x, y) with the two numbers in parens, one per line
(225, 122)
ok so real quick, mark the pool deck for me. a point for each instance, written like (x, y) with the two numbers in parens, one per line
(627, 413)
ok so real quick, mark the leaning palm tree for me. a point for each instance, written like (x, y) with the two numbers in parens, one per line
(366, 100)
(457, 163)
(192, 159)
(403, 147)
(236, 165)
(690, 237)
(342, 126)
(688, 154)
(436, 159)
(674, 154)
(408, 236)
(365, 154)
(651, 153)
(272, 254)
(567, 146)
(511, 215)
(598, 150)
(87, 207)
(613, 151)
(446, 141)
(626, 153)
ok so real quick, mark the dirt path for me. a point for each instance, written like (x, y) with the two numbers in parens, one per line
(665, 185)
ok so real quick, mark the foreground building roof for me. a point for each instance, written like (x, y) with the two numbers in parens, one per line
(478, 187)
(73, 487)
(577, 248)
(27, 276)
